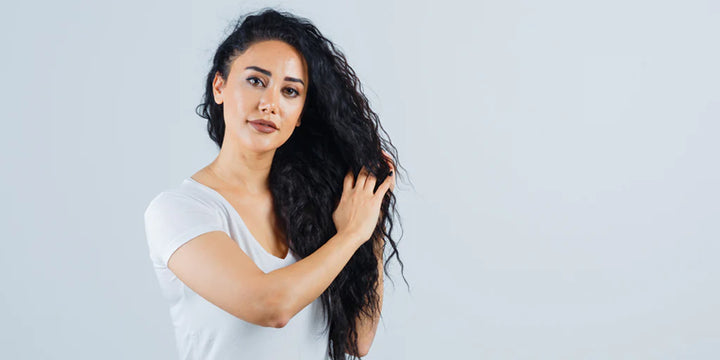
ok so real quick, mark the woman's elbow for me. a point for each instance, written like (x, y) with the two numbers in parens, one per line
(279, 318)
(278, 312)
(364, 350)
(266, 309)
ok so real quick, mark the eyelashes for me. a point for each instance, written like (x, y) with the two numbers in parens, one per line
(254, 81)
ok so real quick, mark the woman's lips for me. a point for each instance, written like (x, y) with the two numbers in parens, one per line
(262, 126)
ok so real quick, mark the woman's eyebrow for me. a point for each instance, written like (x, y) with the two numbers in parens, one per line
(268, 73)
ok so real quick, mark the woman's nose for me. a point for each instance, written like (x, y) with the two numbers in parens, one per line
(268, 103)
(268, 108)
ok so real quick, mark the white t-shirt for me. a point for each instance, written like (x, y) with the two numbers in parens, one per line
(204, 331)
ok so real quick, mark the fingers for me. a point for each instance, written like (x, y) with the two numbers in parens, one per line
(361, 179)
(387, 156)
(366, 181)
(370, 183)
(348, 181)
(391, 176)
(351, 183)
(388, 160)
(382, 189)
(392, 180)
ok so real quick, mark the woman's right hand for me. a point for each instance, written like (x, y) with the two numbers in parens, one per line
(358, 212)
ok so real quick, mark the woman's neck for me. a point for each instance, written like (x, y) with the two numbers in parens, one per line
(243, 170)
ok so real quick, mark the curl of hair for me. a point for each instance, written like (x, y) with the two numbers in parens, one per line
(339, 133)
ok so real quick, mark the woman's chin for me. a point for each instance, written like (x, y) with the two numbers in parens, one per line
(259, 145)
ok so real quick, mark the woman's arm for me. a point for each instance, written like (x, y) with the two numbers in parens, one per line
(302, 282)
(366, 328)
(217, 269)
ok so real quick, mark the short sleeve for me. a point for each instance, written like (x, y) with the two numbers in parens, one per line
(172, 219)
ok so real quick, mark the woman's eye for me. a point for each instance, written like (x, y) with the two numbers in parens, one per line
(292, 92)
(253, 80)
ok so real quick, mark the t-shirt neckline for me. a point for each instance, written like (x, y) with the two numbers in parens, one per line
(240, 219)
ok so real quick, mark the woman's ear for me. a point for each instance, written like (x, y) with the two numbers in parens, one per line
(218, 84)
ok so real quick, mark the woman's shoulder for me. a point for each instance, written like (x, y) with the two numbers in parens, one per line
(186, 194)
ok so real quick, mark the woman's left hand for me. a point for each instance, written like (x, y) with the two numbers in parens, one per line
(388, 159)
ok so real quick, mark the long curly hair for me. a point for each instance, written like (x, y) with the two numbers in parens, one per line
(339, 133)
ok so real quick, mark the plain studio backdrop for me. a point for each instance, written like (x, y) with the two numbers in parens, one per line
(562, 199)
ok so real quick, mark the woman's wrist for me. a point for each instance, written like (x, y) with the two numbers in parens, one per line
(352, 236)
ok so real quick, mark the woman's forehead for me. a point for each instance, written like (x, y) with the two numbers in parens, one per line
(275, 56)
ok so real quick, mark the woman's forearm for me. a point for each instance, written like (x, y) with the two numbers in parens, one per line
(367, 327)
(297, 285)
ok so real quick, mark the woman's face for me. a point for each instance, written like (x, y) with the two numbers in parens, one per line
(267, 82)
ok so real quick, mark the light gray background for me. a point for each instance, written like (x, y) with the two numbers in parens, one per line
(562, 155)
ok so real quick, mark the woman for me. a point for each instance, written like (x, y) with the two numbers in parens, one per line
(275, 249)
